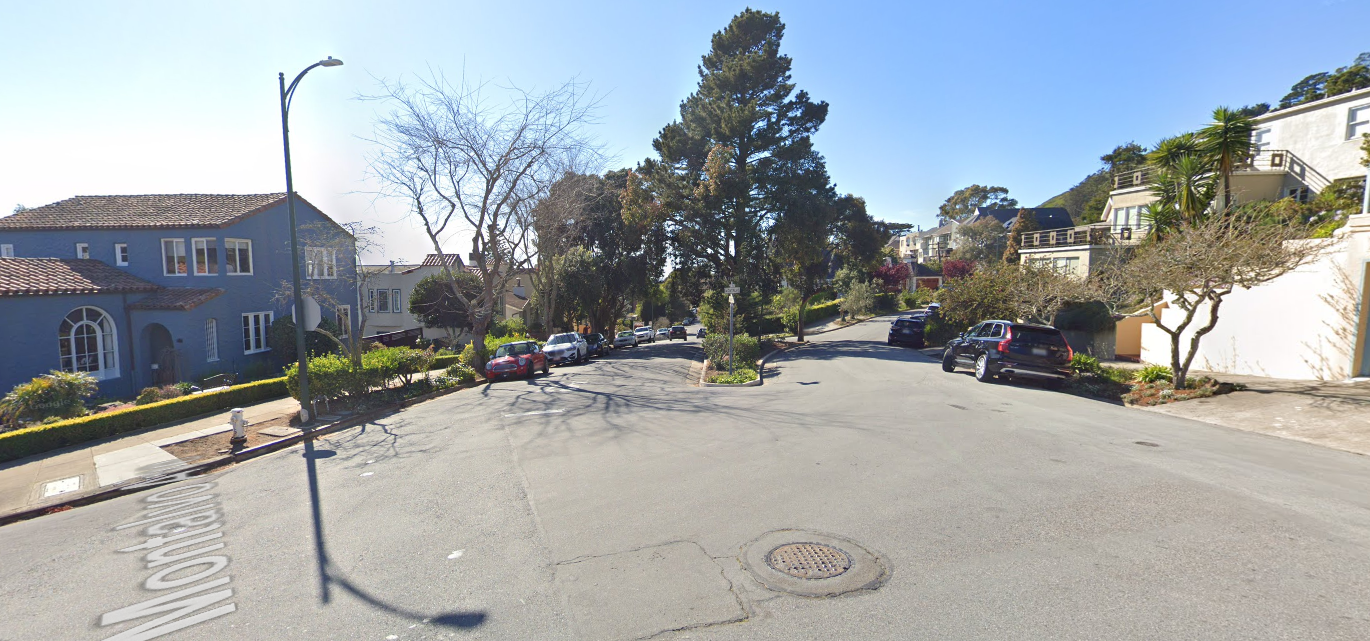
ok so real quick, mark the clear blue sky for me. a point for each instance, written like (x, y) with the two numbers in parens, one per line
(168, 97)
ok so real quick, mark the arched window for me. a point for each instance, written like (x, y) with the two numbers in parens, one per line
(86, 340)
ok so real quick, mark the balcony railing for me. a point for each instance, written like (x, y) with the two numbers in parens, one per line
(1262, 160)
(1100, 234)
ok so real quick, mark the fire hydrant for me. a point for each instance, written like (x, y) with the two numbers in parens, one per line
(239, 438)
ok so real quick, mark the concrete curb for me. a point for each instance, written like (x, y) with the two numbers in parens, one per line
(104, 494)
(760, 371)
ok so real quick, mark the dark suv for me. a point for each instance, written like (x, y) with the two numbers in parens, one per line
(599, 346)
(678, 331)
(906, 331)
(1007, 349)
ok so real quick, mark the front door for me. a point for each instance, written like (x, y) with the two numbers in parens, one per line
(161, 355)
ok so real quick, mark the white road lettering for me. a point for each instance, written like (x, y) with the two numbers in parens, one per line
(178, 608)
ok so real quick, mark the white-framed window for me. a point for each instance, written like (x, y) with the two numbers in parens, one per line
(383, 301)
(320, 263)
(174, 257)
(121, 254)
(83, 250)
(206, 256)
(255, 326)
(344, 321)
(371, 301)
(237, 257)
(395, 301)
(211, 340)
(1357, 121)
(87, 342)
(7, 251)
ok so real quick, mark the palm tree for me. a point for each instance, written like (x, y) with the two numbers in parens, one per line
(1182, 180)
(1227, 143)
(1171, 150)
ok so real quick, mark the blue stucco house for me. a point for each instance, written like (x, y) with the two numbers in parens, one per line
(151, 290)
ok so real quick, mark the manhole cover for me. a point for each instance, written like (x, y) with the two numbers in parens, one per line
(809, 560)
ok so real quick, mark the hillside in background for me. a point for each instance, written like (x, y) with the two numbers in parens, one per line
(1085, 201)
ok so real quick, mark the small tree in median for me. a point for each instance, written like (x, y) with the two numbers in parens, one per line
(1198, 265)
(860, 298)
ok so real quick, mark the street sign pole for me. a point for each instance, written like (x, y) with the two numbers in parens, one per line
(730, 290)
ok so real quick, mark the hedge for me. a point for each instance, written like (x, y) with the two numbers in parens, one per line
(821, 311)
(745, 349)
(34, 440)
(444, 361)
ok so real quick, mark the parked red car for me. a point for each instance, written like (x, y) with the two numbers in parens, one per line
(523, 358)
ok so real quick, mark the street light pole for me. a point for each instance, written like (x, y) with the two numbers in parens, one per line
(286, 95)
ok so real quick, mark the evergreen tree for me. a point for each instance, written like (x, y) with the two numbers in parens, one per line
(741, 150)
(1026, 222)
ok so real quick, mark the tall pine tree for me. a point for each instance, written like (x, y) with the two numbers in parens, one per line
(739, 154)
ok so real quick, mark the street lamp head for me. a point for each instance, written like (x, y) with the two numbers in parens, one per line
(331, 62)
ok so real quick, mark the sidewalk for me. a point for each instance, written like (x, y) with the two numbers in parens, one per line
(1332, 414)
(87, 466)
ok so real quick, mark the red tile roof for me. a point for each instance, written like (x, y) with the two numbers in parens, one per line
(38, 276)
(157, 211)
(177, 298)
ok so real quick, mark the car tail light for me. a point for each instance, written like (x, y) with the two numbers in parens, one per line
(1008, 337)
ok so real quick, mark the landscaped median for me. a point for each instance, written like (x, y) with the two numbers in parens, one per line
(28, 441)
(746, 351)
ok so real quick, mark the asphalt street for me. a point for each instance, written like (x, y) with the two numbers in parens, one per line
(614, 500)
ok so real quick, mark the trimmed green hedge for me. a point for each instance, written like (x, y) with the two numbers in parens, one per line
(821, 311)
(34, 440)
(444, 361)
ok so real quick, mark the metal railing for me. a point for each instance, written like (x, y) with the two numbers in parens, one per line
(1261, 160)
(1098, 234)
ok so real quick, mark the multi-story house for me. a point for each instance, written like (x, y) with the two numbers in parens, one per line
(1299, 151)
(387, 289)
(152, 290)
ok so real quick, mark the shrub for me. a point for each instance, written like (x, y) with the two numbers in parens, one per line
(444, 358)
(460, 372)
(860, 299)
(1084, 364)
(508, 327)
(745, 349)
(821, 311)
(184, 388)
(330, 376)
(148, 395)
(468, 357)
(163, 393)
(33, 440)
(1154, 374)
(60, 394)
(738, 376)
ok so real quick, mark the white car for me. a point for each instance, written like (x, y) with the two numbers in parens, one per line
(566, 348)
(645, 335)
(625, 338)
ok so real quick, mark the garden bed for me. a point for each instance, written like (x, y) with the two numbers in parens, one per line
(219, 444)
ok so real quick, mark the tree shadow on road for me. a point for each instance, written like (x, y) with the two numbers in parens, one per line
(328, 577)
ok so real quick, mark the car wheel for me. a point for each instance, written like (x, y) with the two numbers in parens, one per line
(889, 342)
(982, 372)
(948, 361)
(545, 368)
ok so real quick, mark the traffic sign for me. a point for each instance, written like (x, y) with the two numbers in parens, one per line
(732, 289)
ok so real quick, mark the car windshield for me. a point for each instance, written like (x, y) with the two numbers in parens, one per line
(514, 349)
(595, 337)
(625, 334)
(1038, 335)
(561, 339)
(907, 323)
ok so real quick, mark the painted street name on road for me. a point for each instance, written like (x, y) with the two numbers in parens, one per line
(177, 518)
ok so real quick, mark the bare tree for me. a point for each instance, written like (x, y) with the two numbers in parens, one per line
(1197, 265)
(1040, 292)
(556, 220)
(466, 161)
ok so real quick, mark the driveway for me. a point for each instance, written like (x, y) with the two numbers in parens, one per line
(612, 500)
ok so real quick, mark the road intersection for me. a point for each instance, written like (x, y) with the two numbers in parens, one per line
(614, 500)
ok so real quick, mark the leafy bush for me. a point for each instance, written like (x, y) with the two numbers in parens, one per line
(860, 299)
(1155, 373)
(1084, 364)
(60, 394)
(163, 393)
(330, 376)
(821, 311)
(508, 327)
(745, 349)
(184, 388)
(148, 395)
(460, 373)
(937, 331)
(444, 358)
(29, 441)
(738, 377)
(468, 357)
